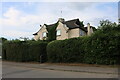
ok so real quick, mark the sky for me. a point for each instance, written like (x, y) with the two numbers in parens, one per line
(22, 19)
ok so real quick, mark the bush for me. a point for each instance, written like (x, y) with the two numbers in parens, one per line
(24, 51)
(37, 51)
(100, 48)
(103, 46)
(69, 50)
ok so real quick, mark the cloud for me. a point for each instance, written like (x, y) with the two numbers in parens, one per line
(15, 23)
(12, 13)
(19, 23)
(16, 34)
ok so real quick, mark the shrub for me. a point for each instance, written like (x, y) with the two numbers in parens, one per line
(24, 51)
(37, 50)
(102, 47)
(69, 50)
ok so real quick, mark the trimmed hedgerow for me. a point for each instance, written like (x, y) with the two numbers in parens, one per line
(103, 46)
(69, 50)
(37, 51)
(23, 51)
(100, 48)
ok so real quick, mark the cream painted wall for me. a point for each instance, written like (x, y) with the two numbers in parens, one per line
(36, 37)
(73, 33)
(39, 36)
(64, 34)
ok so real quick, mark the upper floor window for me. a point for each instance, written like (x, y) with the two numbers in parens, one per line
(58, 32)
(44, 34)
(81, 33)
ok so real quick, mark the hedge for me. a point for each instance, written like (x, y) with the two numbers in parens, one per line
(100, 48)
(23, 51)
(69, 50)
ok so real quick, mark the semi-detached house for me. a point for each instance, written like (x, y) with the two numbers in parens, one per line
(65, 30)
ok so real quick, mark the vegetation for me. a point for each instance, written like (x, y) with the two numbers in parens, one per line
(100, 48)
(69, 50)
(24, 51)
(52, 32)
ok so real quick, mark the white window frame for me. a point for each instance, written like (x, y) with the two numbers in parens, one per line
(44, 34)
(58, 33)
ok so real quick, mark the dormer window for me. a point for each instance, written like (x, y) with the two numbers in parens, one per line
(44, 34)
(58, 32)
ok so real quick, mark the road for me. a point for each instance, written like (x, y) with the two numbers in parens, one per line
(12, 71)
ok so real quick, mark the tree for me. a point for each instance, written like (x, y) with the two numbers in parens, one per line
(105, 23)
(24, 38)
(107, 26)
(2, 39)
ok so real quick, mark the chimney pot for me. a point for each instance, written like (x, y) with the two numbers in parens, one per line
(88, 24)
(61, 20)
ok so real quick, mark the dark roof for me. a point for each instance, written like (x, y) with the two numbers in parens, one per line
(35, 33)
(71, 24)
(51, 25)
(48, 26)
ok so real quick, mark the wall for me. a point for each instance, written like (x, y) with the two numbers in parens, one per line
(36, 37)
(39, 36)
(73, 33)
(64, 34)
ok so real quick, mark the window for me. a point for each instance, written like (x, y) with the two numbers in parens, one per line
(81, 32)
(58, 32)
(44, 34)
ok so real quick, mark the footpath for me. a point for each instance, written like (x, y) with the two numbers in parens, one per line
(88, 69)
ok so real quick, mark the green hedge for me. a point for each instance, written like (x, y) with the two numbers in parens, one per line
(100, 48)
(69, 50)
(24, 51)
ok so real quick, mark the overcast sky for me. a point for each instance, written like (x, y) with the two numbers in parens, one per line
(22, 19)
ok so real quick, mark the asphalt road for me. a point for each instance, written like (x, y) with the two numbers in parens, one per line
(12, 71)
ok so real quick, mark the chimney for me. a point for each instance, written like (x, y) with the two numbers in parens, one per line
(61, 20)
(88, 29)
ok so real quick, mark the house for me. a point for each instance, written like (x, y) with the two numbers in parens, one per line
(65, 30)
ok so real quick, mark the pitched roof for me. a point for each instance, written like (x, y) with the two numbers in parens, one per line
(71, 24)
(48, 26)
(51, 25)
(35, 33)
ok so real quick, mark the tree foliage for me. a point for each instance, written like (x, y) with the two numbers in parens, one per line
(2, 39)
(52, 32)
(102, 47)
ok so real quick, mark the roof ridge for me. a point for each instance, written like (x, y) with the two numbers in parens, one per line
(72, 20)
